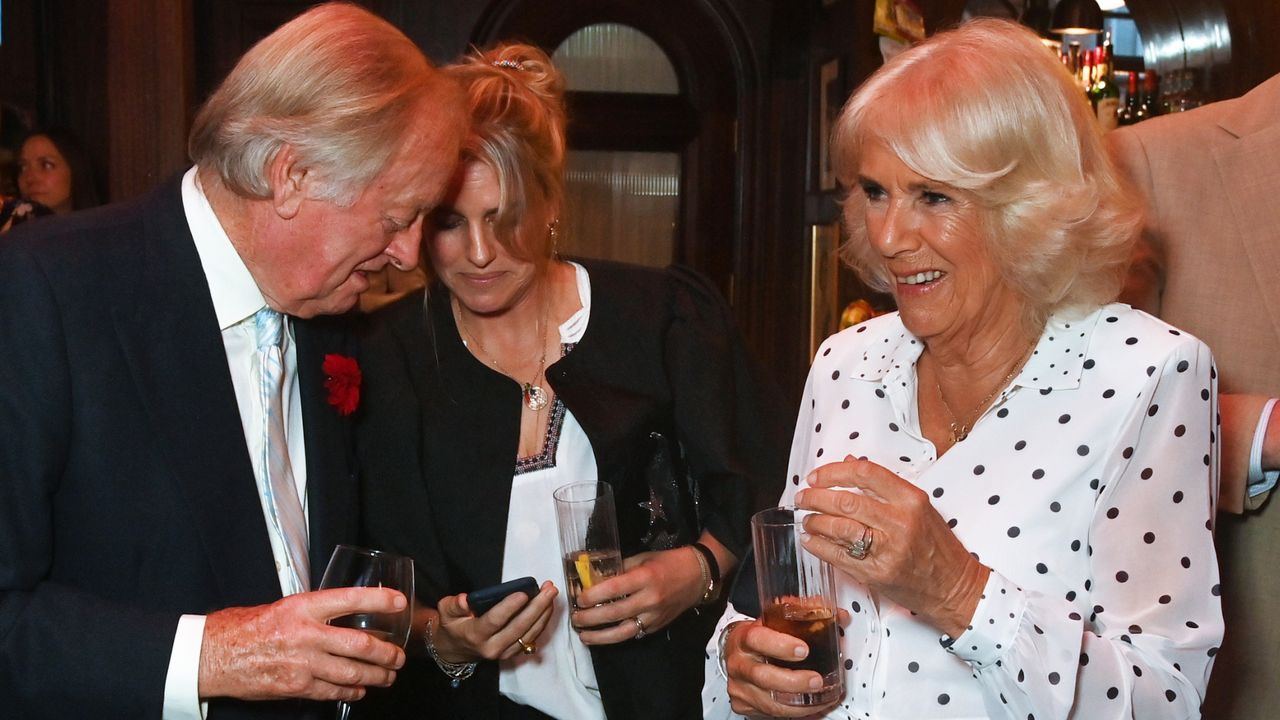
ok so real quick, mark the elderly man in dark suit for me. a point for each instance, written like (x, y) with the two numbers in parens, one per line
(175, 455)
(1207, 263)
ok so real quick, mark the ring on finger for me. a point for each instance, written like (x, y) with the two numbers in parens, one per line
(640, 631)
(526, 648)
(859, 549)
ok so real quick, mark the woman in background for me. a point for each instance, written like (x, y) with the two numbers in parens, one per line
(519, 372)
(54, 176)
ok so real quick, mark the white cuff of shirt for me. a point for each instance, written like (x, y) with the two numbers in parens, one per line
(995, 623)
(1261, 481)
(182, 683)
(730, 616)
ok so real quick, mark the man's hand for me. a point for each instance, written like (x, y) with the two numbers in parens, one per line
(285, 649)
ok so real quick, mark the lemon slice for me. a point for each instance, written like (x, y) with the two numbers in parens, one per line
(583, 565)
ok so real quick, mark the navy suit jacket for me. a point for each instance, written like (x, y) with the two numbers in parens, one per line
(127, 496)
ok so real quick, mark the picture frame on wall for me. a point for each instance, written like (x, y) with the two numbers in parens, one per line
(829, 98)
(824, 283)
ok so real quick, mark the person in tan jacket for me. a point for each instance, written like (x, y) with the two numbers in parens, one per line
(1210, 250)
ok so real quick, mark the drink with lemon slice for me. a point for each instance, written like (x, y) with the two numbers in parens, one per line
(584, 569)
(588, 536)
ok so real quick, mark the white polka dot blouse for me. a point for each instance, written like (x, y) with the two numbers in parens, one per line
(1088, 487)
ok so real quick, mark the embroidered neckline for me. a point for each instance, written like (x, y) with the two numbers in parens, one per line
(551, 439)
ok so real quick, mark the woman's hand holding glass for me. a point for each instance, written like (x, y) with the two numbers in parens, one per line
(752, 681)
(514, 623)
(656, 587)
(913, 558)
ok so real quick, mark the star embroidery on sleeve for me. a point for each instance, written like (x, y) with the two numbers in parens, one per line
(654, 506)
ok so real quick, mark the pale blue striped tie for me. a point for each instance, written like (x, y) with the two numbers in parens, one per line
(279, 491)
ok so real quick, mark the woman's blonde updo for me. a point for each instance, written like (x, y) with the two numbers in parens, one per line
(516, 100)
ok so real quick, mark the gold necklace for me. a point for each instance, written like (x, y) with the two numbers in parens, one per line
(960, 430)
(535, 396)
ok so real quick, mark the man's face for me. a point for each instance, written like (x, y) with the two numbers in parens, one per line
(315, 263)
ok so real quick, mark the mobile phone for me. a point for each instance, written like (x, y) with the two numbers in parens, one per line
(482, 601)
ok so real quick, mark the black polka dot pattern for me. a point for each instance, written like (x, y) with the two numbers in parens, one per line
(1082, 488)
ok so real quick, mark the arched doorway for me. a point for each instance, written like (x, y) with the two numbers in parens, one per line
(697, 127)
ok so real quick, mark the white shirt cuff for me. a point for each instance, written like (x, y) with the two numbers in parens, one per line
(1261, 481)
(994, 625)
(182, 683)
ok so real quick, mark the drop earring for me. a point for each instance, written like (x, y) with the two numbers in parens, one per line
(553, 230)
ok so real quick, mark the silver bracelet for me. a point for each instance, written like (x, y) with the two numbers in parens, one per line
(722, 642)
(457, 672)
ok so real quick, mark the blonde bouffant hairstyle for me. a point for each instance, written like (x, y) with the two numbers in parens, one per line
(337, 83)
(986, 108)
(516, 100)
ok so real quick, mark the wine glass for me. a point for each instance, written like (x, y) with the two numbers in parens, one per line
(352, 566)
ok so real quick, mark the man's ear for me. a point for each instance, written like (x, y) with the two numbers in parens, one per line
(288, 180)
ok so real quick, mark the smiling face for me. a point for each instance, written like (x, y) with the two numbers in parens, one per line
(44, 174)
(315, 260)
(464, 249)
(928, 237)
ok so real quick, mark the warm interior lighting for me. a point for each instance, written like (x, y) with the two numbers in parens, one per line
(1076, 17)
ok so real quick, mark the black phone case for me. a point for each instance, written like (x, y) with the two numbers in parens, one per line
(482, 601)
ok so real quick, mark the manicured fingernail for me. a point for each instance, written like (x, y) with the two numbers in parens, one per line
(801, 651)
(400, 602)
(815, 683)
(800, 497)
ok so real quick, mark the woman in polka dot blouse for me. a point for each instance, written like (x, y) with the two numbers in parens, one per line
(1014, 480)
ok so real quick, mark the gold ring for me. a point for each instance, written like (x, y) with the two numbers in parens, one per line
(640, 631)
(859, 549)
(526, 648)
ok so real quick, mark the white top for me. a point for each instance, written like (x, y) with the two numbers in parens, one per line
(236, 298)
(1089, 488)
(559, 679)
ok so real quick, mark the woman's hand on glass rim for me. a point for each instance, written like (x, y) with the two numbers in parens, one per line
(914, 558)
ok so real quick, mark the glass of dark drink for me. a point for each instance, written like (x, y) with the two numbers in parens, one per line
(588, 536)
(798, 595)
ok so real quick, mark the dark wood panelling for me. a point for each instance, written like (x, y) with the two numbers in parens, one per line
(150, 81)
(19, 78)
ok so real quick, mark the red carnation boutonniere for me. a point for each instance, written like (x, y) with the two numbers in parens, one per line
(342, 380)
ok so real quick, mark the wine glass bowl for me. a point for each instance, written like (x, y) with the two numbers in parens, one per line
(352, 566)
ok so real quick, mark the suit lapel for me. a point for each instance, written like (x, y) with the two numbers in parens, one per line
(331, 484)
(1255, 157)
(174, 350)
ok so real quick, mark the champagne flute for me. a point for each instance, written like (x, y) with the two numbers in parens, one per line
(352, 566)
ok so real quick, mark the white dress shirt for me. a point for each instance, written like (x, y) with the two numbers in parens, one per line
(236, 298)
(1088, 488)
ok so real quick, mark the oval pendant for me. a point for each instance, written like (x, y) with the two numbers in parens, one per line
(535, 398)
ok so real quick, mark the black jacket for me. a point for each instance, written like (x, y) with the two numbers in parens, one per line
(440, 432)
(127, 495)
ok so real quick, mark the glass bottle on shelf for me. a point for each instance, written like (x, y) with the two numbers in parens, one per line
(1149, 105)
(1105, 92)
(1129, 110)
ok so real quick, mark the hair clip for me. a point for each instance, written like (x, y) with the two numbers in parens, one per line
(512, 64)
